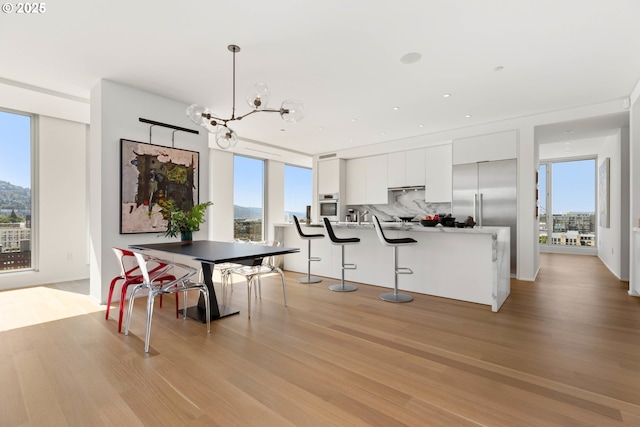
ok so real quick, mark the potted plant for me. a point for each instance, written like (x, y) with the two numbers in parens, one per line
(181, 221)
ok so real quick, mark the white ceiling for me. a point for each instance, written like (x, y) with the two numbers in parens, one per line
(341, 58)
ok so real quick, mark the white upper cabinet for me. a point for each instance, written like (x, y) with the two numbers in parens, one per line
(415, 169)
(484, 148)
(329, 176)
(367, 180)
(396, 163)
(438, 173)
(377, 186)
(406, 168)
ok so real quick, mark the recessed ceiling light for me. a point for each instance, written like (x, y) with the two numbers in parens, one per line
(354, 120)
(320, 128)
(467, 116)
(383, 133)
(351, 140)
(446, 95)
(396, 108)
(410, 58)
(498, 68)
(420, 126)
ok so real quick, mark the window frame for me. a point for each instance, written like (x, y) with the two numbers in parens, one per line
(290, 220)
(33, 176)
(549, 247)
(264, 192)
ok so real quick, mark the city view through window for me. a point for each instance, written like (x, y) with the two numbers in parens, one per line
(570, 189)
(15, 191)
(248, 204)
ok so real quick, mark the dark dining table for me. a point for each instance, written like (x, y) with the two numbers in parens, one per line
(209, 253)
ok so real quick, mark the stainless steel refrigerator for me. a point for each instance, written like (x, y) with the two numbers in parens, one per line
(487, 191)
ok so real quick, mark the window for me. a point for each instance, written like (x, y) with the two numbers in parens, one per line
(248, 198)
(568, 212)
(15, 191)
(297, 192)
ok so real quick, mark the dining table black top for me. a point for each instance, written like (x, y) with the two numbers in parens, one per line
(214, 252)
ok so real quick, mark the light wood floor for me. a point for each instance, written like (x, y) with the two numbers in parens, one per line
(563, 351)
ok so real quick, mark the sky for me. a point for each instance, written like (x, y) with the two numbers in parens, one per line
(574, 186)
(15, 149)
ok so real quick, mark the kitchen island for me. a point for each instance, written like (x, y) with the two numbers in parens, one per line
(468, 264)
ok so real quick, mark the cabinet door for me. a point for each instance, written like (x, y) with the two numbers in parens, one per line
(356, 185)
(377, 186)
(438, 173)
(396, 165)
(414, 167)
(329, 176)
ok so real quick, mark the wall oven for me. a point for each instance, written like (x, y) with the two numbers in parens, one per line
(328, 206)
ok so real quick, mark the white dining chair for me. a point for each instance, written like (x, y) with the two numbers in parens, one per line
(150, 282)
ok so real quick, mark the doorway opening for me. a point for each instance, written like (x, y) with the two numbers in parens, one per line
(567, 205)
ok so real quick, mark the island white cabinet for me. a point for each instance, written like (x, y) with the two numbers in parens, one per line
(329, 176)
(438, 173)
(366, 180)
(459, 263)
(406, 168)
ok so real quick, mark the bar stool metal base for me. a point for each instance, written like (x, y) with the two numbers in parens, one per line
(343, 287)
(395, 297)
(309, 279)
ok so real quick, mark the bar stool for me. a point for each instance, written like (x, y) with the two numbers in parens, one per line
(341, 287)
(394, 296)
(308, 238)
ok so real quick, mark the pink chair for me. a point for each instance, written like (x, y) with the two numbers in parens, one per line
(132, 276)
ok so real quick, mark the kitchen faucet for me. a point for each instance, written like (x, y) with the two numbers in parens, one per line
(361, 215)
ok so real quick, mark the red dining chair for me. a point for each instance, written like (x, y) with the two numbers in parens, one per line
(132, 276)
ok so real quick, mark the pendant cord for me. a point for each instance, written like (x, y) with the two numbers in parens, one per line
(233, 111)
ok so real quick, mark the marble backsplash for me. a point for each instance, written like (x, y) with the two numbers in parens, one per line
(410, 203)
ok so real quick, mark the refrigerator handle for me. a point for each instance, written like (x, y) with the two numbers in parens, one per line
(480, 210)
(475, 205)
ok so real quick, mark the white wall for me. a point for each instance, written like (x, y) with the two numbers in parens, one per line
(221, 172)
(634, 174)
(609, 248)
(274, 192)
(60, 230)
(115, 110)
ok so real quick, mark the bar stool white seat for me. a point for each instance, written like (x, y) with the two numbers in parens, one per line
(394, 296)
(341, 241)
(308, 238)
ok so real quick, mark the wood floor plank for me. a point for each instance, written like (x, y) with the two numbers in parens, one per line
(562, 351)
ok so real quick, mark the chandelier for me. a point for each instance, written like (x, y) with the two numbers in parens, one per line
(290, 110)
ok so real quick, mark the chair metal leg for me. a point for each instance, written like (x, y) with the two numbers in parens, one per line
(284, 286)
(147, 333)
(343, 287)
(309, 278)
(130, 308)
(395, 296)
(249, 287)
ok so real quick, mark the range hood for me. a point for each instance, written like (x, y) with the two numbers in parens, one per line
(408, 188)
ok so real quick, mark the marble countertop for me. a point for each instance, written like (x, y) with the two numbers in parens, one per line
(404, 227)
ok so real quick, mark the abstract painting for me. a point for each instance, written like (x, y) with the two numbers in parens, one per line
(151, 173)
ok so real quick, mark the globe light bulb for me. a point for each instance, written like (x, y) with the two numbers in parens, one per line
(226, 138)
(291, 111)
